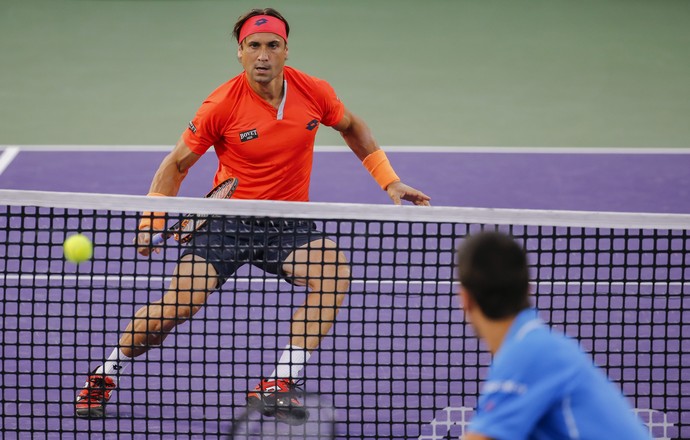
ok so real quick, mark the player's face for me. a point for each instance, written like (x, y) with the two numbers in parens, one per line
(263, 56)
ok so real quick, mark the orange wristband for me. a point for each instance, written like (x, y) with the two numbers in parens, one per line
(155, 219)
(380, 168)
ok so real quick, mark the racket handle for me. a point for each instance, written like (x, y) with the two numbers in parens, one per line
(158, 239)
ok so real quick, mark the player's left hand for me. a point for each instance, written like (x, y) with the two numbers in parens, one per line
(398, 191)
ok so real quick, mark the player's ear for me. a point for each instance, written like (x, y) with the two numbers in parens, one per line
(466, 300)
(239, 52)
(286, 51)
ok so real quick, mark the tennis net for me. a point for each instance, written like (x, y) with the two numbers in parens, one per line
(399, 362)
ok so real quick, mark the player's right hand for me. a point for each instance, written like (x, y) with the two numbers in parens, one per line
(143, 242)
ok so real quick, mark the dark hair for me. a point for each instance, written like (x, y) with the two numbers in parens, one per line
(493, 269)
(253, 13)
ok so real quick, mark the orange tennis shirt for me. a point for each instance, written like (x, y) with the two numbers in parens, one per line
(269, 150)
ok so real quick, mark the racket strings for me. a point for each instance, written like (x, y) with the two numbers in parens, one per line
(182, 231)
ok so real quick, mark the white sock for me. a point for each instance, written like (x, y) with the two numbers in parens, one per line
(291, 362)
(115, 364)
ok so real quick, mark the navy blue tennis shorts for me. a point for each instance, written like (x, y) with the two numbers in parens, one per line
(228, 243)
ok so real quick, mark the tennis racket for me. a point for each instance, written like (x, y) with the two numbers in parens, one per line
(185, 228)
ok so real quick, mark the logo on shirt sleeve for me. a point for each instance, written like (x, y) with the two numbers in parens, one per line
(312, 124)
(504, 386)
(192, 127)
(249, 135)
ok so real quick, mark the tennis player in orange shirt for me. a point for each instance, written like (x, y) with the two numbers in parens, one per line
(262, 124)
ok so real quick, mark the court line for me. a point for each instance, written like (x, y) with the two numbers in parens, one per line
(144, 279)
(7, 157)
(389, 148)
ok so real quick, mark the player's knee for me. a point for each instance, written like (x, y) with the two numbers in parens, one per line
(184, 283)
(333, 277)
(194, 274)
(343, 271)
(314, 284)
(342, 280)
(340, 273)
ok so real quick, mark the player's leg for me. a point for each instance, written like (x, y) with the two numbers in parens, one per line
(193, 280)
(321, 267)
(324, 269)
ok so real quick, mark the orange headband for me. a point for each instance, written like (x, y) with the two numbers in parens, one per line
(263, 23)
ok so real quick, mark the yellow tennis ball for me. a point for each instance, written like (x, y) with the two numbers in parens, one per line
(77, 248)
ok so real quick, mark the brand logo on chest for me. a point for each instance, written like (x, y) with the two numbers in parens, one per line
(249, 135)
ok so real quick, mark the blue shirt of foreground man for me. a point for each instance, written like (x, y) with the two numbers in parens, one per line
(541, 385)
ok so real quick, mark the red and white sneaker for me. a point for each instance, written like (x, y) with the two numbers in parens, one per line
(92, 399)
(279, 398)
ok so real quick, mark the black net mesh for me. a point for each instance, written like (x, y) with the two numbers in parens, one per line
(399, 362)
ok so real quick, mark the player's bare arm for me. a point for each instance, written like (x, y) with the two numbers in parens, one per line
(359, 138)
(173, 169)
(167, 180)
(357, 135)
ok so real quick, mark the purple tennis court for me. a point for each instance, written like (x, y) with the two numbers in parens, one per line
(632, 181)
(400, 361)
